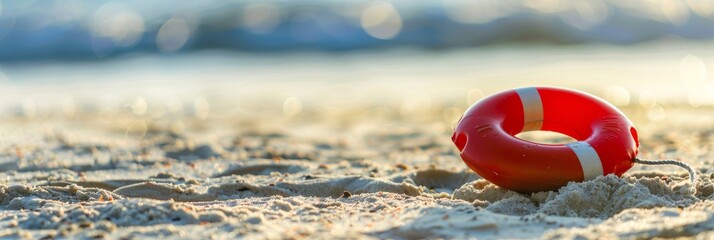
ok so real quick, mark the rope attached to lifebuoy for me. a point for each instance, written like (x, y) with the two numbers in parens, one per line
(689, 168)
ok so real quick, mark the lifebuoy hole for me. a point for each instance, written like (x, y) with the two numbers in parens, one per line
(545, 137)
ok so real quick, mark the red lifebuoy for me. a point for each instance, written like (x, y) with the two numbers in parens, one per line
(606, 140)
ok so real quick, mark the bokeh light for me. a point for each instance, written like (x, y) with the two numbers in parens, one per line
(172, 35)
(474, 12)
(695, 77)
(201, 108)
(648, 99)
(381, 20)
(260, 17)
(617, 95)
(292, 107)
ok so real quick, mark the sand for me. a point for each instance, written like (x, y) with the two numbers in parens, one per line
(258, 185)
(214, 166)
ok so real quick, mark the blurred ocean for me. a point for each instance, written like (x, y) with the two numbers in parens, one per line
(72, 29)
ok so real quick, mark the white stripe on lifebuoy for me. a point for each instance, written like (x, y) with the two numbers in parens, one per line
(532, 108)
(589, 160)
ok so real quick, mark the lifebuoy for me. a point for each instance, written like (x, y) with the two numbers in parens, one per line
(485, 136)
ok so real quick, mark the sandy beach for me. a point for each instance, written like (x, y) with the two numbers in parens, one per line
(198, 155)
